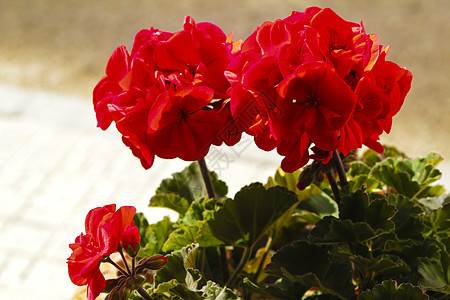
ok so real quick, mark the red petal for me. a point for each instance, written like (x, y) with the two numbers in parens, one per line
(96, 285)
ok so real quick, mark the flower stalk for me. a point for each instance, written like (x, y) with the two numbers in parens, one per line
(333, 184)
(340, 168)
(121, 270)
(206, 178)
(211, 194)
(143, 293)
(120, 250)
(244, 259)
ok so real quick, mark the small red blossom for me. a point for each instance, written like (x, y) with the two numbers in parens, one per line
(131, 237)
(104, 230)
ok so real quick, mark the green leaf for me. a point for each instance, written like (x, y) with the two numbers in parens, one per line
(182, 291)
(436, 202)
(391, 151)
(141, 222)
(332, 230)
(439, 221)
(320, 204)
(433, 275)
(155, 237)
(408, 177)
(199, 210)
(283, 289)
(312, 266)
(360, 219)
(410, 250)
(182, 237)
(388, 290)
(358, 168)
(435, 271)
(401, 181)
(175, 268)
(354, 206)
(363, 182)
(210, 265)
(188, 184)
(369, 268)
(171, 201)
(305, 217)
(357, 207)
(288, 180)
(407, 219)
(244, 220)
(370, 158)
(206, 238)
(181, 278)
(213, 291)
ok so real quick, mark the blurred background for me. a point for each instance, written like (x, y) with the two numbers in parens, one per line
(55, 165)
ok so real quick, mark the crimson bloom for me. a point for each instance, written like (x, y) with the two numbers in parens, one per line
(104, 230)
(168, 98)
(314, 79)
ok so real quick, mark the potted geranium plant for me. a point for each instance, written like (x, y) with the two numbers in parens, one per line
(330, 224)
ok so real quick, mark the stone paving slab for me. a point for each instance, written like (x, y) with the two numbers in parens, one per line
(55, 165)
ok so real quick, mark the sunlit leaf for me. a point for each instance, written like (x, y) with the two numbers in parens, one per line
(155, 237)
(409, 177)
(175, 267)
(181, 237)
(171, 201)
(189, 185)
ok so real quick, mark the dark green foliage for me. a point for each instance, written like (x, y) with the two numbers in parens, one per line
(388, 238)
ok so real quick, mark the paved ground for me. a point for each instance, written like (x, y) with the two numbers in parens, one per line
(55, 165)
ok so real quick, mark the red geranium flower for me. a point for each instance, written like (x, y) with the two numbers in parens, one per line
(104, 228)
(166, 76)
(317, 101)
(180, 125)
(314, 78)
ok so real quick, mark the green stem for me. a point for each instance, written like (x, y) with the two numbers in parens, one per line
(133, 266)
(340, 168)
(143, 293)
(120, 250)
(333, 184)
(109, 260)
(267, 249)
(224, 262)
(206, 178)
(212, 195)
(244, 259)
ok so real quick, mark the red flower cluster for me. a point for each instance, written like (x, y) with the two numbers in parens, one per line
(106, 229)
(315, 79)
(168, 97)
(311, 79)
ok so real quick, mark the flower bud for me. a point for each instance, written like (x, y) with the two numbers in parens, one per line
(131, 240)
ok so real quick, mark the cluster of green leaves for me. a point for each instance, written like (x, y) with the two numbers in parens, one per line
(387, 239)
